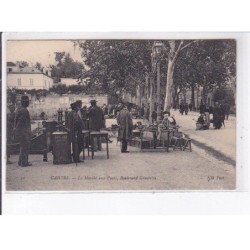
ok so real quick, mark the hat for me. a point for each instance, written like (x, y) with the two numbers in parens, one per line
(24, 98)
(92, 101)
(78, 102)
(73, 105)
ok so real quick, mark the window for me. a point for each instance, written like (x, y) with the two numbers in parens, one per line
(10, 69)
(31, 82)
(19, 81)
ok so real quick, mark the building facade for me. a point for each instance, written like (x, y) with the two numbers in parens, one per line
(28, 77)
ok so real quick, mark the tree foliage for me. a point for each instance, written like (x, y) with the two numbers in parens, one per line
(22, 64)
(116, 65)
(208, 63)
(66, 67)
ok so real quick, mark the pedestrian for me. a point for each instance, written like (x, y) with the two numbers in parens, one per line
(22, 131)
(154, 116)
(217, 116)
(223, 114)
(82, 113)
(226, 109)
(182, 107)
(186, 108)
(142, 112)
(147, 113)
(124, 120)
(104, 109)
(10, 128)
(202, 107)
(75, 131)
(96, 121)
(84, 117)
(190, 107)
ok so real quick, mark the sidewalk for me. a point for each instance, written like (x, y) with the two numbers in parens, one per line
(173, 170)
(222, 141)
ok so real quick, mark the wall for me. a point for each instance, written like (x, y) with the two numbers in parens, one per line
(40, 81)
(51, 103)
(68, 81)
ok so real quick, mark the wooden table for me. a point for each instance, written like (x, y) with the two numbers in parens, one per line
(101, 134)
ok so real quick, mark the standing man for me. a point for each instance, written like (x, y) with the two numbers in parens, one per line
(217, 116)
(124, 120)
(22, 131)
(10, 128)
(96, 120)
(202, 107)
(75, 131)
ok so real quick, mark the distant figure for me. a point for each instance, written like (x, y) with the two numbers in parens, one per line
(217, 116)
(22, 131)
(142, 112)
(84, 117)
(182, 107)
(42, 116)
(211, 109)
(105, 109)
(226, 109)
(154, 116)
(223, 115)
(190, 106)
(202, 107)
(96, 121)
(203, 122)
(186, 108)
(124, 120)
(147, 113)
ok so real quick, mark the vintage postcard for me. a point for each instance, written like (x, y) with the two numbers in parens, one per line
(149, 113)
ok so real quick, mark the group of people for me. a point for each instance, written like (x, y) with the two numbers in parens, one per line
(83, 118)
(220, 112)
(78, 119)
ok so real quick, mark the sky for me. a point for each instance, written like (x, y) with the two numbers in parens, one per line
(40, 51)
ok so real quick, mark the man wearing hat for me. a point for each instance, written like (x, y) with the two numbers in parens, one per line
(75, 129)
(96, 119)
(82, 113)
(124, 120)
(22, 131)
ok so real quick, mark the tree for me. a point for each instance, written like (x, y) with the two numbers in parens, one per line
(173, 48)
(66, 67)
(206, 63)
(224, 94)
(22, 64)
(116, 65)
(38, 66)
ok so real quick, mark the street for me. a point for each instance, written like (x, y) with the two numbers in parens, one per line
(223, 141)
(173, 170)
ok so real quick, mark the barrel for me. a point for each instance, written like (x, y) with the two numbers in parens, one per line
(61, 148)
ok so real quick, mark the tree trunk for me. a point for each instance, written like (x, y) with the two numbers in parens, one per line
(146, 95)
(168, 97)
(151, 99)
(158, 92)
(192, 96)
(138, 95)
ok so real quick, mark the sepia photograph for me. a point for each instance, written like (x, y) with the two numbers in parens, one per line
(120, 114)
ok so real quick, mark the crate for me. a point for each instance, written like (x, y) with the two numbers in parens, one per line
(61, 148)
(138, 143)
